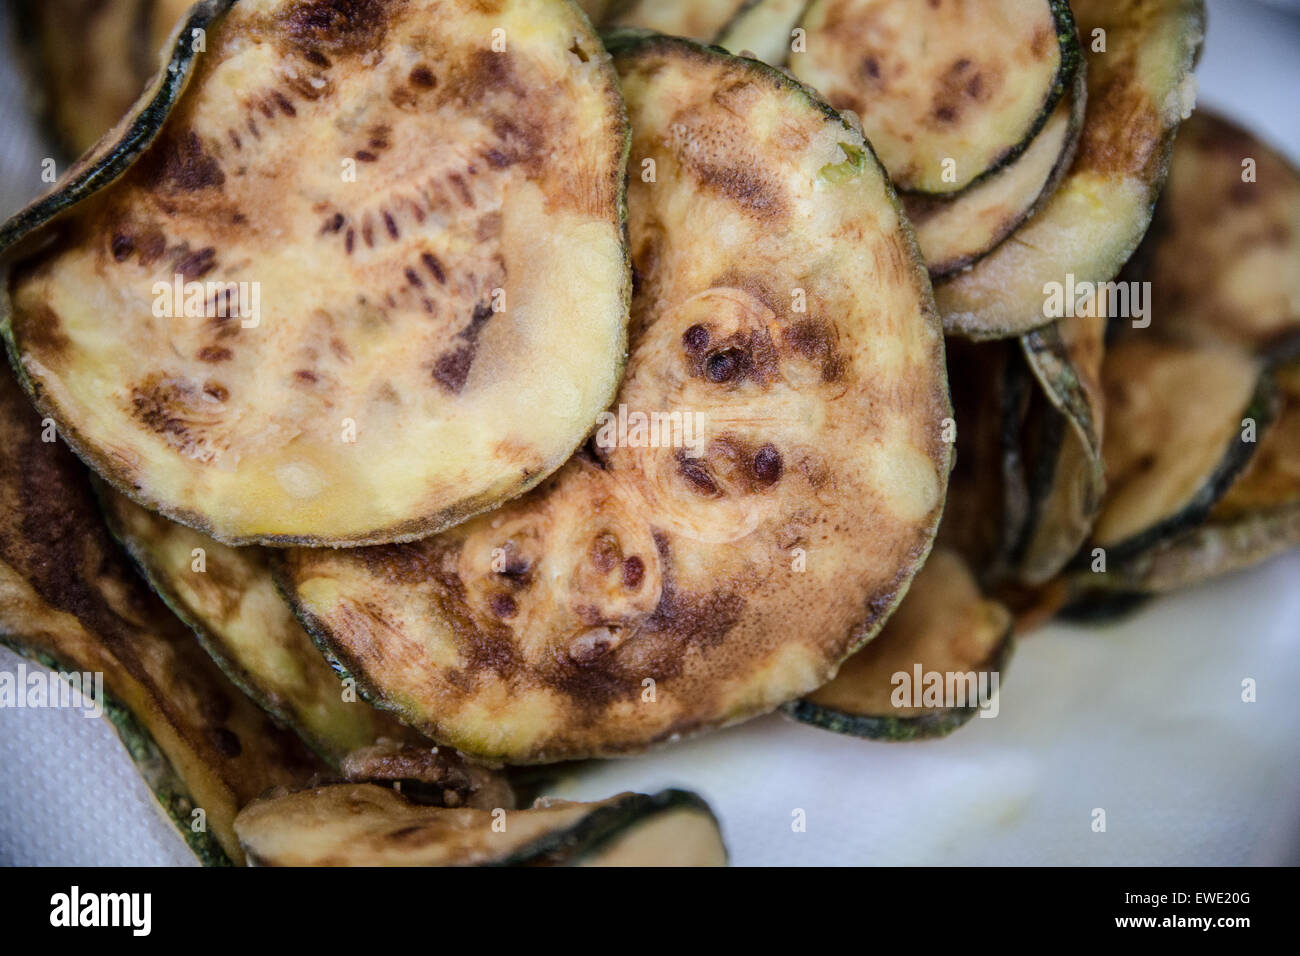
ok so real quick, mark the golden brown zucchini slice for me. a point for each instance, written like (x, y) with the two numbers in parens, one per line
(1222, 255)
(365, 825)
(229, 599)
(70, 598)
(694, 19)
(937, 662)
(400, 302)
(660, 585)
(763, 29)
(1182, 423)
(948, 92)
(1139, 89)
(955, 232)
(1069, 481)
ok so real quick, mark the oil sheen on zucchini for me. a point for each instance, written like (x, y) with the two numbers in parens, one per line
(366, 825)
(71, 599)
(378, 334)
(1139, 90)
(228, 597)
(1221, 256)
(658, 586)
(944, 626)
(1182, 423)
(948, 92)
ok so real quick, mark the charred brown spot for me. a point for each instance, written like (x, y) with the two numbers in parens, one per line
(725, 366)
(503, 605)
(961, 85)
(696, 474)
(226, 742)
(452, 367)
(695, 339)
(213, 354)
(43, 332)
(306, 376)
(216, 391)
(122, 247)
(195, 265)
(434, 266)
(181, 162)
(767, 466)
(422, 77)
(605, 552)
(815, 341)
(742, 186)
(633, 572)
(338, 26)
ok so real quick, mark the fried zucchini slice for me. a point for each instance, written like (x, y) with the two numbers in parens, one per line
(1177, 437)
(944, 626)
(655, 588)
(228, 598)
(365, 825)
(956, 232)
(1221, 256)
(71, 599)
(762, 29)
(948, 93)
(85, 77)
(1066, 495)
(434, 291)
(430, 776)
(1257, 518)
(694, 19)
(1139, 90)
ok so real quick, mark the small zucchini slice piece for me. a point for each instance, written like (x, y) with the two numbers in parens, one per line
(1139, 89)
(655, 588)
(1066, 498)
(945, 627)
(1221, 256)
(70, 599)
(228, 597)
(956, 232)
(434, 292)
(694, 19)
(763, 29)
(949, 92)
(367, 825)
(432, 776)
(1179, 432)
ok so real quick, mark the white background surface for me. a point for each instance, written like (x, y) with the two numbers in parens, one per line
(1143, 719)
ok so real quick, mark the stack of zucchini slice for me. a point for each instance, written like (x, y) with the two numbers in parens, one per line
(502, 394)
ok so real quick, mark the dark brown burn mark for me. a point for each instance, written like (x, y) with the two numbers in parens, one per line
(742, 186)
(814, 340)
(434, 266)
(633, 572)
(216, 391)
(960, 86)
(283, 103)
(605, 552)
(226, 742)
(341, 27)
(306, 376)
(122, 246)
(696, 474)
(421, 76)
(181, 162)
(390, 224)
(767, 465)
(43, 333)
(725, 365)
(213, 354)
(195, 265)
(503, 605)
(695, 340)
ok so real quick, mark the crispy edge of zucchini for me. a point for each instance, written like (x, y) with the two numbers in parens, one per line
(1049, 357)
(1263, 408)
(1069, 71)
(605, 826)
(160, 776)
(211, 643)
(961, 312)
(121, 147)
(884, 727)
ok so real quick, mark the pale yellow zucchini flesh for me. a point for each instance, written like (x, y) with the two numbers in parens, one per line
(369, 280)
(763, 29)
(660, 585)
(948, 92)
(1139, 90)
(945, 627)
(367, 825)
(694, 19)
(69, 597)
(228, 597)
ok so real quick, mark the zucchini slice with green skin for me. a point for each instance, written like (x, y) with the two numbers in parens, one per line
(944, 626)
(1139, 90)
(956, 232)
(71, 599)
(693, 19)
(948, 93)
(1176, 438)
(1066, 359)
(1221, 256)
(366, 825)
(228, 598)
(86, 77)
(401, 354)
(763, 29)
(655, 588)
